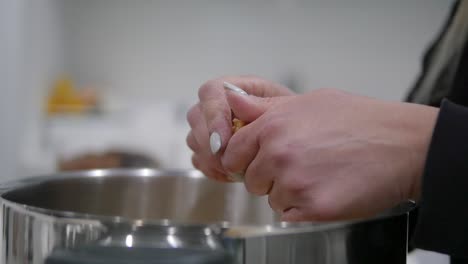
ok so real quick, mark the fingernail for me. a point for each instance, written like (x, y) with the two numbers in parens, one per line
(232, 87)
(215, 142)
(236, 177)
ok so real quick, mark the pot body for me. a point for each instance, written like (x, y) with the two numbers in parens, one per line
(179, 209)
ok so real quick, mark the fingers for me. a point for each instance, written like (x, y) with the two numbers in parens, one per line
(259, 176)
(277, 200)
(285, 203)
(241, 150)
(257, 86)
(197, 140)
(249, 108)
(192, 142)
(203, 164)
(217, 114)
(198, 136)
(293, 214)
(244, 145)
(286, 195)
(194, 115)
(297, 199)
(262, 177)
(211, 122)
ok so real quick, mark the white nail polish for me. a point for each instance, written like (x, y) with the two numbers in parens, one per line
(215, 142)
(232, 87)
(236, 177)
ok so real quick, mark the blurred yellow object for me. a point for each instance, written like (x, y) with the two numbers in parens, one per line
(237, 124)
(64, 99)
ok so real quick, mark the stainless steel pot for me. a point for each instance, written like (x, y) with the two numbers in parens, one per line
(180, 209)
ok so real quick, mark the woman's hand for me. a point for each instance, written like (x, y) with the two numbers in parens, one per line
(210, 120)
(328, 155)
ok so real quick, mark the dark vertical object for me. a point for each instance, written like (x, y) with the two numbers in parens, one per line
(378, 243)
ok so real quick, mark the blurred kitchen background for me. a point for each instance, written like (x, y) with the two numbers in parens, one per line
(114, 77)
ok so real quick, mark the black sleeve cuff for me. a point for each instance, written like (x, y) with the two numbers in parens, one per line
(443, 214)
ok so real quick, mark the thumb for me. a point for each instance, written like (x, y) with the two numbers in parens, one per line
(248, 107)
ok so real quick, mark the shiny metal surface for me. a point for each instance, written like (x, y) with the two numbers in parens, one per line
(159, 209)
(382, 241)
(181, 196)
(161, 236)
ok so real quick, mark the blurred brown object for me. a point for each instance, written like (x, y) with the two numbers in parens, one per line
(106, 160)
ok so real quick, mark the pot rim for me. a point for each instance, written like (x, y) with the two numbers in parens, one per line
(250, 230)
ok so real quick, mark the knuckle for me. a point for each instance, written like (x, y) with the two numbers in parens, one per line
(253, 186)
(236, 148)
(200, 163)
(191, 142)
(294, 185)
(228, 162)
(270, 101)
(195, 162)
(225, 114)
(281, 158)
(217, 116)
(193, 115)
(270, 128)
(207, 88)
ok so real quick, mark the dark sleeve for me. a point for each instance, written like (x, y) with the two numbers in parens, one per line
(443, 213)
(427, 63)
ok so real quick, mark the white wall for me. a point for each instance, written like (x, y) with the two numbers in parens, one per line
(30, 56)
(11, 40)
(166, 49)
(44, 59)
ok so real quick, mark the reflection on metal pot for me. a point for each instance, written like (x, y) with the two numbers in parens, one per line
(144, 208)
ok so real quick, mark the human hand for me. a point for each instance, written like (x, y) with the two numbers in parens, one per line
(210, 120)
(329, 155)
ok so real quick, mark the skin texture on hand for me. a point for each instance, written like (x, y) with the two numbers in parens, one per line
(213, 114)
(329, 155)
